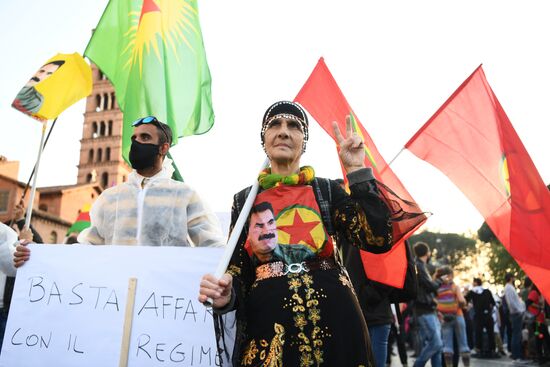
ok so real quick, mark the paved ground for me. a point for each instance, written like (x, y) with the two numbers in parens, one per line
(475, 362)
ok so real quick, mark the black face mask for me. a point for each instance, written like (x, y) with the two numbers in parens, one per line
(143, 155)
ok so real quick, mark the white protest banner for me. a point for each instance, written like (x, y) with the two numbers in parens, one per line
(69, 303)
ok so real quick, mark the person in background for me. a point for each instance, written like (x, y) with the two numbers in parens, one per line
(484, 303)
(535, 307)
(373, 299)
(505, 325)
(425, 310)
(450, 302)
(498, 327)
(516, 307)
(526, 289)
(8, 241)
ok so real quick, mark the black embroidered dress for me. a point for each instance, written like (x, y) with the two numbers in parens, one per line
(297, 307)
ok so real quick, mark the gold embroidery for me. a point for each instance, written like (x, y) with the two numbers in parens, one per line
(357, 227)
(272, 357)
(308, 345)
(250, 353)
(275, 356)
(234, 270)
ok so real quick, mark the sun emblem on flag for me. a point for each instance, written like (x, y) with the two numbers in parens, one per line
(301, 225)
(165, 23)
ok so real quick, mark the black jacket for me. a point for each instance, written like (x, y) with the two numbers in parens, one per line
(373, 297)
(425, 300)
(483, 302)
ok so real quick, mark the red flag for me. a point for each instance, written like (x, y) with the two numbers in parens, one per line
(324, 100)
(471, 140)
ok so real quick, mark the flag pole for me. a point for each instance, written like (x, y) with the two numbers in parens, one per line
(35, 171)
(237, 229)
(34, 168)
(393, 159)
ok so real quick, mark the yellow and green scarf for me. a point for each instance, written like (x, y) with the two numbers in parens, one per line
(268, 180)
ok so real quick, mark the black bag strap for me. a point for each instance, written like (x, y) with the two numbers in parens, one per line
(324, 200)
(239, 203)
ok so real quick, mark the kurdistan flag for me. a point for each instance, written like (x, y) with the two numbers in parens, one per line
(82, 220)
(152, 52)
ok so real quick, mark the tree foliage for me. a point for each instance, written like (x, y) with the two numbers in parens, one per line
(451, 248)
(500, 261)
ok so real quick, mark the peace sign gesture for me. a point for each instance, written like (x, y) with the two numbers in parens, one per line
(352, 148)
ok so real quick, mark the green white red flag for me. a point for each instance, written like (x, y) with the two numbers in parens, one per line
(471, 140)
(324, 100)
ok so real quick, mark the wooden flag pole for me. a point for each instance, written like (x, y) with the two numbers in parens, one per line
(128, 318)
(33, 189)
(237, 229)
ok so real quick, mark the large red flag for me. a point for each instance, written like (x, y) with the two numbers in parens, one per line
(324, 100)
(471, 140)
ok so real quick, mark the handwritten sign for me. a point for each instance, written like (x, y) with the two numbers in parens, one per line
(69, 302)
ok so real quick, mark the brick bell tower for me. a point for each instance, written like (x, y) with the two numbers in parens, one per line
(101, 144)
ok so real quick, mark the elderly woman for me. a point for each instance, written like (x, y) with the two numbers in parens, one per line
(295, 304)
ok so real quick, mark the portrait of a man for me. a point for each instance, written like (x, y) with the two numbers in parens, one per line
(29, 100)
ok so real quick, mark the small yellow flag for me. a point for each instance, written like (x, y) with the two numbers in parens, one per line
(60, 82)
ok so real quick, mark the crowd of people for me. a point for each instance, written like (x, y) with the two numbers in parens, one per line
(304, 299)
(449, 322)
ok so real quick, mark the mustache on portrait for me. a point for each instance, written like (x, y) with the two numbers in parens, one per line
(266, 236)
(35, 79)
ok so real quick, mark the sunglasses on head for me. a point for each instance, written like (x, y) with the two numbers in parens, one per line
(152, 120)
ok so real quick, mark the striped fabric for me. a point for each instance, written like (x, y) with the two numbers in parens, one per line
(446, 299)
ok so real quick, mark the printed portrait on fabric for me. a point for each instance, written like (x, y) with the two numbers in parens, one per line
(29, 100)
(286, 225)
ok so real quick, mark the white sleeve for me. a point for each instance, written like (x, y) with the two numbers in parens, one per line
(8, 241)
(203, 225)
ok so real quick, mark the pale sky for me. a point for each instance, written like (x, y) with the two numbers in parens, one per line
(395, 61)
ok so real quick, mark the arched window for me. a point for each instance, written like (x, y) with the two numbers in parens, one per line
(108, 154)
(98, 102)
(89, 178)
(91, 156)
(53, 237)
(99, 74)
(104, 179)
(99, 155)
(105, 101)
(113, 101)
(102, 128)
(94, 130)
(110, 128)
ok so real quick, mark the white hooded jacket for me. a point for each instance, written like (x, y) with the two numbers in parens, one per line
(163, 212)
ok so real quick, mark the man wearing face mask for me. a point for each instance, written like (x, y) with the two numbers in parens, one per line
(150, 209)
